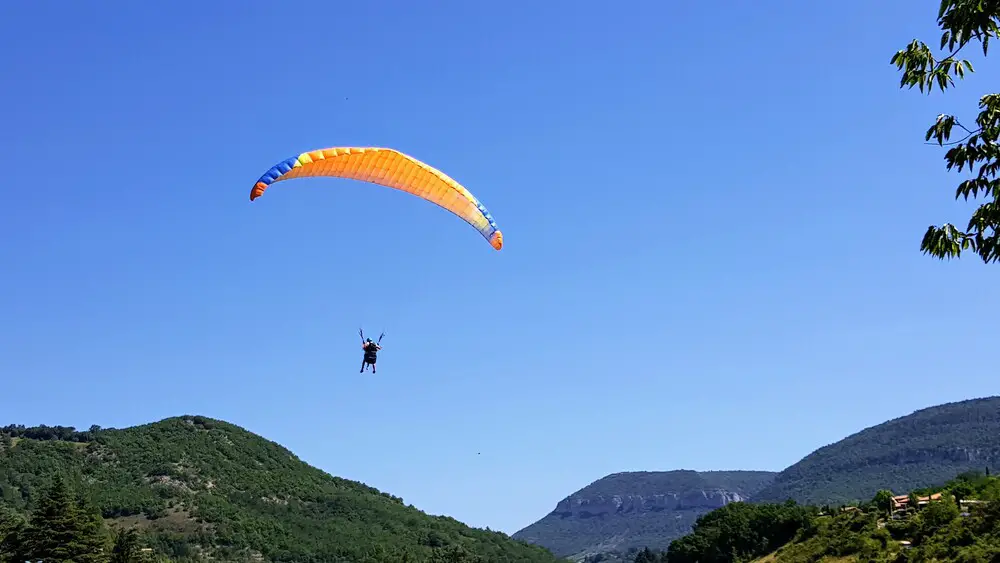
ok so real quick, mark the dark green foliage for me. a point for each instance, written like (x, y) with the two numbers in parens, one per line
(43, 432)
(883, 501)
(922, 449)
(195, 487)
(974, 538)
(978, 150)
(632, 555)
(61, 528)
(790, 533)
(12, 527)
(649, 556)
(126, 547)
(845, 534)
(656, 507)
(740, 531)
(938, 532)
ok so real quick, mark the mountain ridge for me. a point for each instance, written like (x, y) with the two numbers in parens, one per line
(926, 447)
(625, 509)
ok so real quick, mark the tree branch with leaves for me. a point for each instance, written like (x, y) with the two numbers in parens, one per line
(978, 151)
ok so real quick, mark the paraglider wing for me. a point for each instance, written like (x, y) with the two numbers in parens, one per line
(390, 168)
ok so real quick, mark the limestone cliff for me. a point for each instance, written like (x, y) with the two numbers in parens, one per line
(638, 509)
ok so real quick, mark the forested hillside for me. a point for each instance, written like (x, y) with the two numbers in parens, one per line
(924, 448)
(957, 522)
(193, 487)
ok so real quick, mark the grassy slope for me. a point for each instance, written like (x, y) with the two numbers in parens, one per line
(939, 532)
(194, 482)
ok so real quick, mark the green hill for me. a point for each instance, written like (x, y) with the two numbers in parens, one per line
(196, 487)
(957, 522)
(636, 509)
(927, 447)
(941, 530)
(924, 448)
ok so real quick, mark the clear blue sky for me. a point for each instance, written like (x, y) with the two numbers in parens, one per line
(712, 216)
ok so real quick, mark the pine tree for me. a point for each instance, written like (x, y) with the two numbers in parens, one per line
(12, 527)
(126, 548)
(60, 531)
(94, 540)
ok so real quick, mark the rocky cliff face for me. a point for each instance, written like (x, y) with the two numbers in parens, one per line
(600, 505)
(638, 509)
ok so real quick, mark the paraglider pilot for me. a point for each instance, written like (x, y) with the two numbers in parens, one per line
(371, 354)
